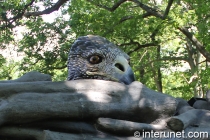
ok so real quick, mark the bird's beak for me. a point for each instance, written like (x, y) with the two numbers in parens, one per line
(123, 72)
(127, 77)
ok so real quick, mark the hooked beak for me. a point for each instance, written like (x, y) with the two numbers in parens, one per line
(128, 77)
(123, 72)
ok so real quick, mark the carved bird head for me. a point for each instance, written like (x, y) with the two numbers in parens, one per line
(94, 57)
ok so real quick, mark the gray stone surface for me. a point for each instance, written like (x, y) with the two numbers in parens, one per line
(30, 77)
(40, 109)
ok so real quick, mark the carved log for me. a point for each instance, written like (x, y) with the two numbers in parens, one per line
(193, 117)
(127, 127)
(182, 106)
(200, 104)
(29, 102)
(82, 99)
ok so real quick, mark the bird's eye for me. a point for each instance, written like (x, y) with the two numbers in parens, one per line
(95, 59)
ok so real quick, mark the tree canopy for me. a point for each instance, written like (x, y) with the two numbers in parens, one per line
(167, 40)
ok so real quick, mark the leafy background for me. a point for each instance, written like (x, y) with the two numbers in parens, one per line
(167, 40)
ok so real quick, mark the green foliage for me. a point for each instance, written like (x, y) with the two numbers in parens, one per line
(9, 70)
(177, 86)
(46, 45)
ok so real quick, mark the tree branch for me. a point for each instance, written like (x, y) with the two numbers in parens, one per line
(123, 19)
(113, 8)
(168, 9)
(59, 67)
(173, 58)
(148, 9)
(202, 62)
(18, 16)
(192, 78)
(195, 42)
(165, 59)
(155, 11)
(142, 46)
(55, 7)
(139, 46)
(184, 30)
